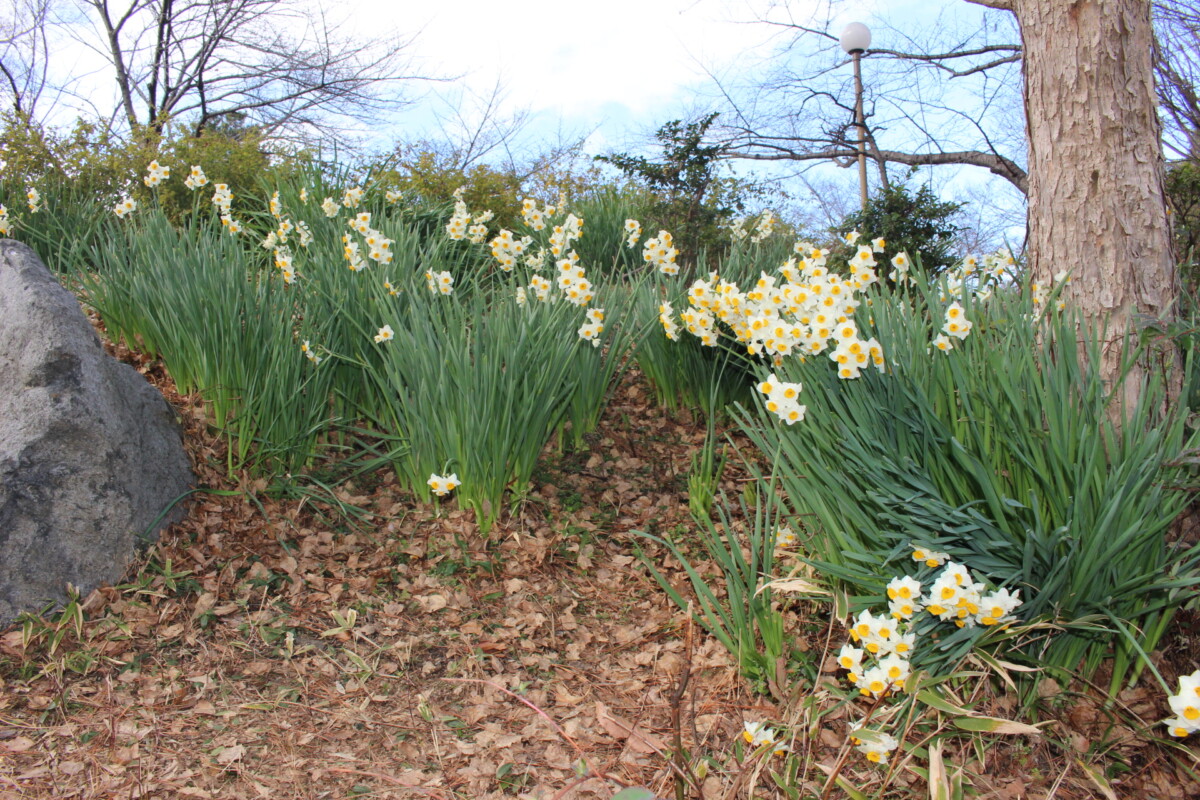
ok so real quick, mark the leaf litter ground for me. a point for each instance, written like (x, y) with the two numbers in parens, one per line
(272, 648)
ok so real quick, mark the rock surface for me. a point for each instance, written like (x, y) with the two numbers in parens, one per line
(90, 453)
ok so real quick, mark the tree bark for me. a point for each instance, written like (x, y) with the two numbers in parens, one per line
(1097, 205)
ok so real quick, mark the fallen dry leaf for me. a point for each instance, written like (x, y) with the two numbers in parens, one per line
(229, 755)
(636, 737)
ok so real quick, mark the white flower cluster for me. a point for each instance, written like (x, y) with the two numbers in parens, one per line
(439, 282)
(378, 246)
(876, 658)
(506, 249)
(956, 325)
(352, 197)
(783, 399)
(633, 232)
(760, 735)
(223, 199)
(660, 252)
(1185, 706)
(765, 227)
(590, 331)
(799, 314)
(955, 595)
(156, 174)
(573, 282)
(464, 225)
(564, 235)
(535, 217)
(127, 206)
(443, 485)
(196, 178)
(666, 316)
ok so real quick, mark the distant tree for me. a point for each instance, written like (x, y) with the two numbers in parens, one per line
(273, 65)
(1177, 74)
(683, 178)
(918, 223)
(1183, 187)
(24, 54)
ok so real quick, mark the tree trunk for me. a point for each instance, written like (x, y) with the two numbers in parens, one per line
(1097, 205)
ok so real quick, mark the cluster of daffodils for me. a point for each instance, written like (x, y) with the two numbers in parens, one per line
(801, 314)
(352, 197)
(633, 232)
(285, 263)
(277, 240)
(1185, 706)
(5, 224)
(33, 199)
(759, 736)
(876, 246)
(979, 276)
(463, 225)
(876, 659)
(956, 326)
(196, 178)
(956, 596)
(443, 485)
(1042, 292)
(126, 206)
(573, 281)
(875, 745)
(564, 235)
(880, 665)
(660, 253)
(590, 331)
(439, 282)
(330, 207)
(156, 174)
(535, 217)
(765, 227)
(666, 316)
(223, 199)
(507, 250)
(378, 246)
(783, 399)
(785, 537)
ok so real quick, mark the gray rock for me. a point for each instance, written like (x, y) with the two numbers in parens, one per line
(90, 454)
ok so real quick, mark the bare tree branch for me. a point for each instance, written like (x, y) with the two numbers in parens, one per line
(914, 116)
(277, 65)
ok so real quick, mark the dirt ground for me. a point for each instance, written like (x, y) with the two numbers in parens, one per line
(273, 648)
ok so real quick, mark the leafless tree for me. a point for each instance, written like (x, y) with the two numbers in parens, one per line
(1177, 74)
(948, 93)
(478, 127)
(24, 54)
(278, 65)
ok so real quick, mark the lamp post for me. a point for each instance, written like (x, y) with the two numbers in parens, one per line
(855, 39)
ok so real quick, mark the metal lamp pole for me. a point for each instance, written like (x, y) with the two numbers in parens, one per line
(856, 38)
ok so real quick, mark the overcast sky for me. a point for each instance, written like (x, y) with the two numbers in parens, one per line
(612, 69)
(614, 65)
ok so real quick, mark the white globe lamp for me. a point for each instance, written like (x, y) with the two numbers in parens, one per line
(856, 38)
